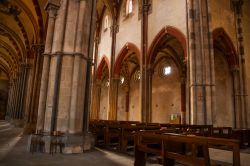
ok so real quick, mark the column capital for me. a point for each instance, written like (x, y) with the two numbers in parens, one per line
(38, 48)
(51, 7)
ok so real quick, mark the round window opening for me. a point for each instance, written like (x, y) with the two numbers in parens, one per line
(166, 70)
(122, 80)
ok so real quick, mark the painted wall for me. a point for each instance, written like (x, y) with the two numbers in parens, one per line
(103, 114)
(166, 94)
(129, 29)
(121, 106)
(105, 40)
(223, 115)
(223, 16)
(134, 101)
(166, 13)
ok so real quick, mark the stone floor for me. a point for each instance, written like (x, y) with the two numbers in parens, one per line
(13, 152)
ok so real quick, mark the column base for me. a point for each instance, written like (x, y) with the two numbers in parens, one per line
(74, 144)
(79, 143)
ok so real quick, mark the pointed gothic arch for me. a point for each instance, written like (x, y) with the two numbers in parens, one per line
(171, 31)
(123, 54)
(102, 63)
(220, 35)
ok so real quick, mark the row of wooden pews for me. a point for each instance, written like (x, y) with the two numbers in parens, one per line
(120, 133)
(186, 143)
(186, 149)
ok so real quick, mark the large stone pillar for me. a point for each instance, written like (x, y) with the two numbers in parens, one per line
(202, 83)
(242, 69)
(52, 12)
(74, 118)
(55, 66)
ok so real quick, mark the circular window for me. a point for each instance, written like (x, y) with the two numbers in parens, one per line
(122, 80)
(165, 70)
(137, 75)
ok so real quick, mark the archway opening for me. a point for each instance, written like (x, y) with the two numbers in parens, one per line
(128, 91)
(225, 60)
(168, 78)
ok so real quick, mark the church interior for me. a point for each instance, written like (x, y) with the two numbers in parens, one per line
(124, 82)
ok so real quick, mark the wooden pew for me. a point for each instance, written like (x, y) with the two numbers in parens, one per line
(222, 132)
(197, 156)
(128, 133)
(243, 135)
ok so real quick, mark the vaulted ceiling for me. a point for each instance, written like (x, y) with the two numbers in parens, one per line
(22, 24)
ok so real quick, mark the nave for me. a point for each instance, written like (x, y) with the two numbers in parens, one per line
(13, 151)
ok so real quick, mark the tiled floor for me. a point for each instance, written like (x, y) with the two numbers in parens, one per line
(13, 152)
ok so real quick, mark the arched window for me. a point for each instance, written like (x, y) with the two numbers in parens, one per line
(129, 7)
(106, 22)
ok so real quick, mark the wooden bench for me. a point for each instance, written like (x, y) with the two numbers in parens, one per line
(243, 135)
(191, 150)
(222, 132)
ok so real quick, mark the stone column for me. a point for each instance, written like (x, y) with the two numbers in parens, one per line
(37, 50)
(242, 72)
(12, 113)
(183, 101)
(113, 97)
(150, 73)
(95, 102)
(202, 83)
(10, 94)
(127, 91)
(237, 121)
(21, 91)
(95, 105)
(144, 82)
(74, 119)
(113, 87)
(18, 91)
(55, 66)
(52, 12)
(24, 96)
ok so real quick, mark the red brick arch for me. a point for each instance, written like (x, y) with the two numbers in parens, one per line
(232, 57)
(168, 30)
(122, 55)
(99, 70)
